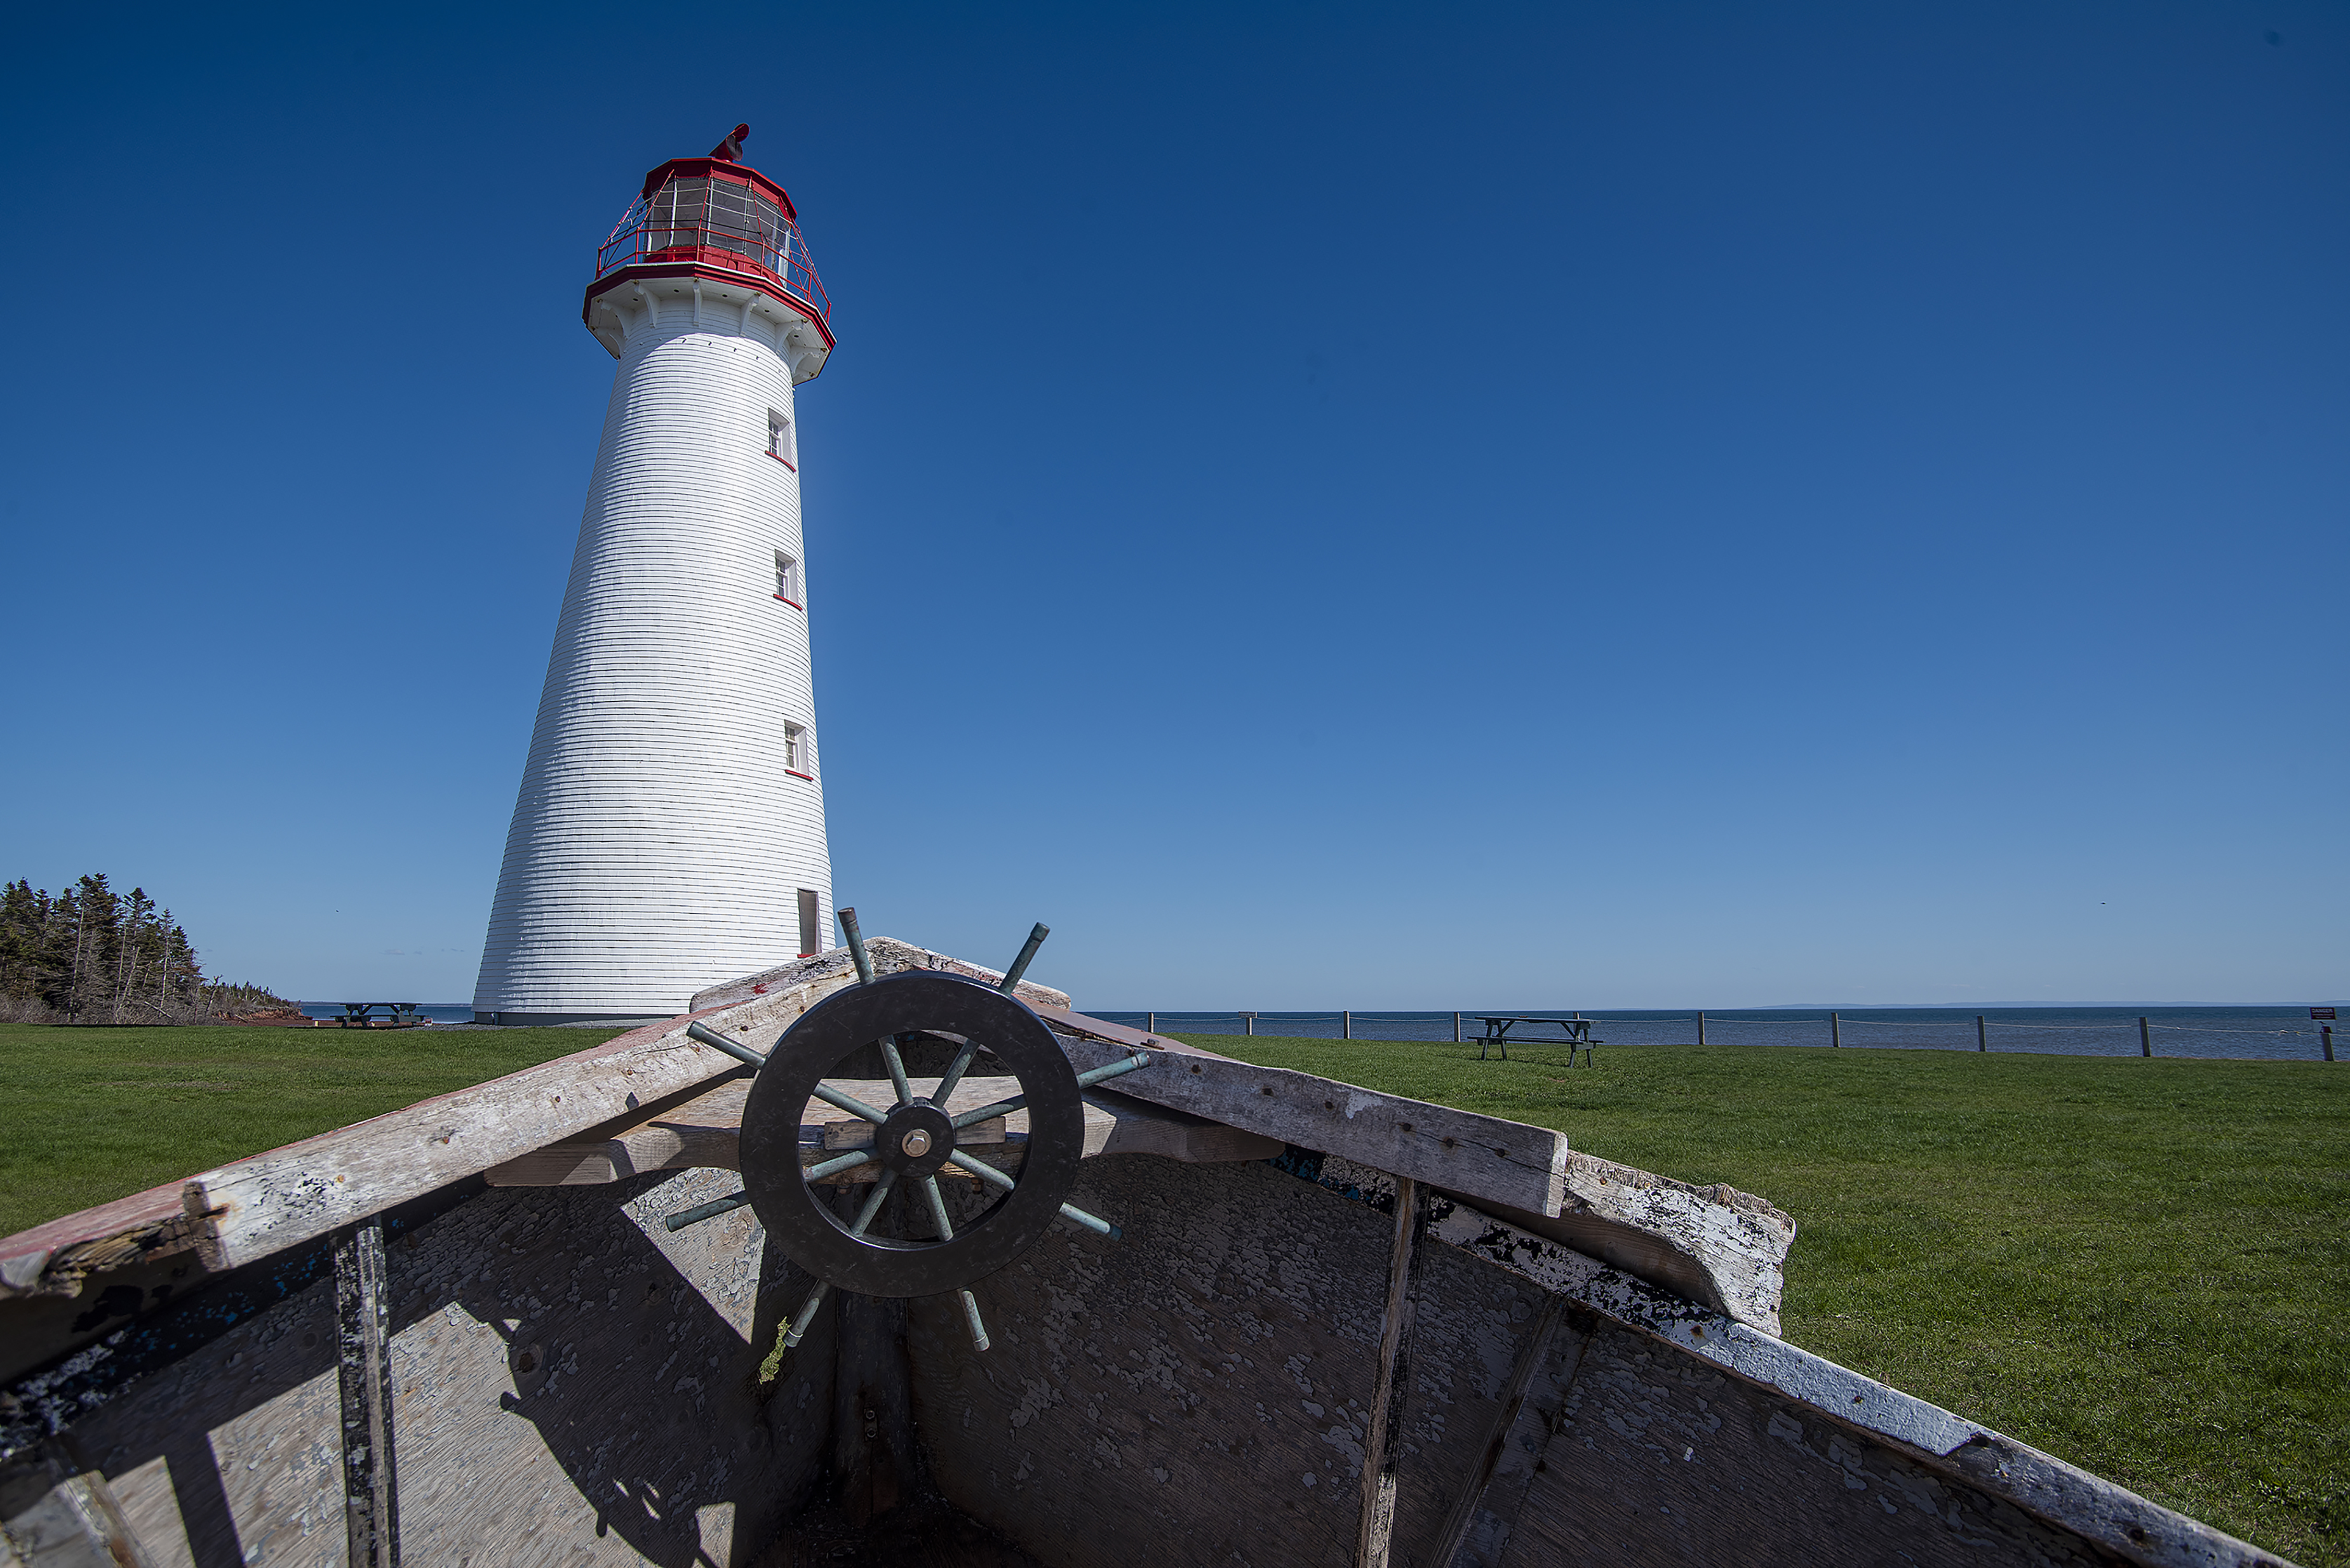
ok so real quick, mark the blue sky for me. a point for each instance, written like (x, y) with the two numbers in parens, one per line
(1383, 508)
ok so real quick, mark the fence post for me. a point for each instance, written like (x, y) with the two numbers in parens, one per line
(1456, 1032)
(1836, 1030)
(1248, 1023)
(1982, 1038)
(1701, 1028)
(1151, 1026)
(2145, 1038)
(1346, 1026)
(2326, 1038)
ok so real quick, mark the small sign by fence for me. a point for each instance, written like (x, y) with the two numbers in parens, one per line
(2317, 1013)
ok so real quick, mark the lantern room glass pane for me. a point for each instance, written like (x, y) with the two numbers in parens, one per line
(699, 213)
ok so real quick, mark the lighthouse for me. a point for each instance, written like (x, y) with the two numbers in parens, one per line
(669, 832)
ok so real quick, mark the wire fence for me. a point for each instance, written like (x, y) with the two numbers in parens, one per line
(2246, 1033)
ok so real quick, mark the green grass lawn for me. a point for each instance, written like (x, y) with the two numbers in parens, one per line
(2141, 1266)
(90, 1115)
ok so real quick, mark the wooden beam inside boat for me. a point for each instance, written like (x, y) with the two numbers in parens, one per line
(1716, 1245)
(363, 1364)
(705, 1132)
(1500, 1161)
(1383, 1432)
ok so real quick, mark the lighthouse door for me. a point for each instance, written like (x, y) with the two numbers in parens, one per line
(811, 923)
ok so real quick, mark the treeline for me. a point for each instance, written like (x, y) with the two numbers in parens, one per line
(91, 955)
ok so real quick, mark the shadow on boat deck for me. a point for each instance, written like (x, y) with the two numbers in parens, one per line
(927, 1535)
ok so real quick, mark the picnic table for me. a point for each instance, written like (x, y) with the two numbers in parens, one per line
(361, 1015)
(1577, 1035)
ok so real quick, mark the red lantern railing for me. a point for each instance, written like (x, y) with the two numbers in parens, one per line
(716, 223)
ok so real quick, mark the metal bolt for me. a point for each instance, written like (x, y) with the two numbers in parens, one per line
(916, 1143)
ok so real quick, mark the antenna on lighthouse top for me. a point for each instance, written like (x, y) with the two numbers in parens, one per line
(731, 150)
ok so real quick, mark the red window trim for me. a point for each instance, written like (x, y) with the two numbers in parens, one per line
(794, 602)
(811, 778)
(787, 462)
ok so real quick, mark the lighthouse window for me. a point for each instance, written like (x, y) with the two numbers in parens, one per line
(795, 750)
(779, 440)
(787, 581)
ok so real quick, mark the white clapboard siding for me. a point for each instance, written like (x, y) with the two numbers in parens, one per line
(659, 842)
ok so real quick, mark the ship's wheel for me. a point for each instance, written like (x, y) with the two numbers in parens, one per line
(913, 1139)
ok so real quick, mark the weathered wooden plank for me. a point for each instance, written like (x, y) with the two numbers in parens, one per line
(1141, 1127)
(271, 1201)
(363, 1366)
(53, 1258)
(1479, 1524)
(1498, 1161)
(705, 1130)
(1713, 1244)
(1717, 1245)
(256, 1206)
(1383, 1432)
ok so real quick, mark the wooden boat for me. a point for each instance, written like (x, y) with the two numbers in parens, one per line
(1334, 1326)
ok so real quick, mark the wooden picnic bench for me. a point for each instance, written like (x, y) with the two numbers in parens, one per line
(362, 1016)
(1577, 1035)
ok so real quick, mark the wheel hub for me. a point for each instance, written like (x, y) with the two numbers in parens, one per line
(916, 1139)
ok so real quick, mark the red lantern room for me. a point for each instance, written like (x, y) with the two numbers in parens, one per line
(716, 221)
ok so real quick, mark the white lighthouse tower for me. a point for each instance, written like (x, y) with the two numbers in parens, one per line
(669, 830)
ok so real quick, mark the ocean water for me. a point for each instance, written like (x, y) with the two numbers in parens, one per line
(2249, 1033)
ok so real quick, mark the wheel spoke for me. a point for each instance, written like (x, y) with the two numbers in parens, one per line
(938, 1208)
(896, 1062)
(1010, 984)
(1116, 1069)
(963, 1059)
(847, 919)
(984, 1171)
(1084, 1081)
(799, 1327)
(971, 1316)
(735, 1048)
(873, 1203)
(834, 1166)
(946, 1233)
(709, 1210)
(849, 1103)
(1069, 1211)
(988, 1112)
(1100, 1227)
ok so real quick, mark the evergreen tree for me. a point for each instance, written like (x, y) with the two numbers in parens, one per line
(96, 933)
(99, 957)
(24, 940)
